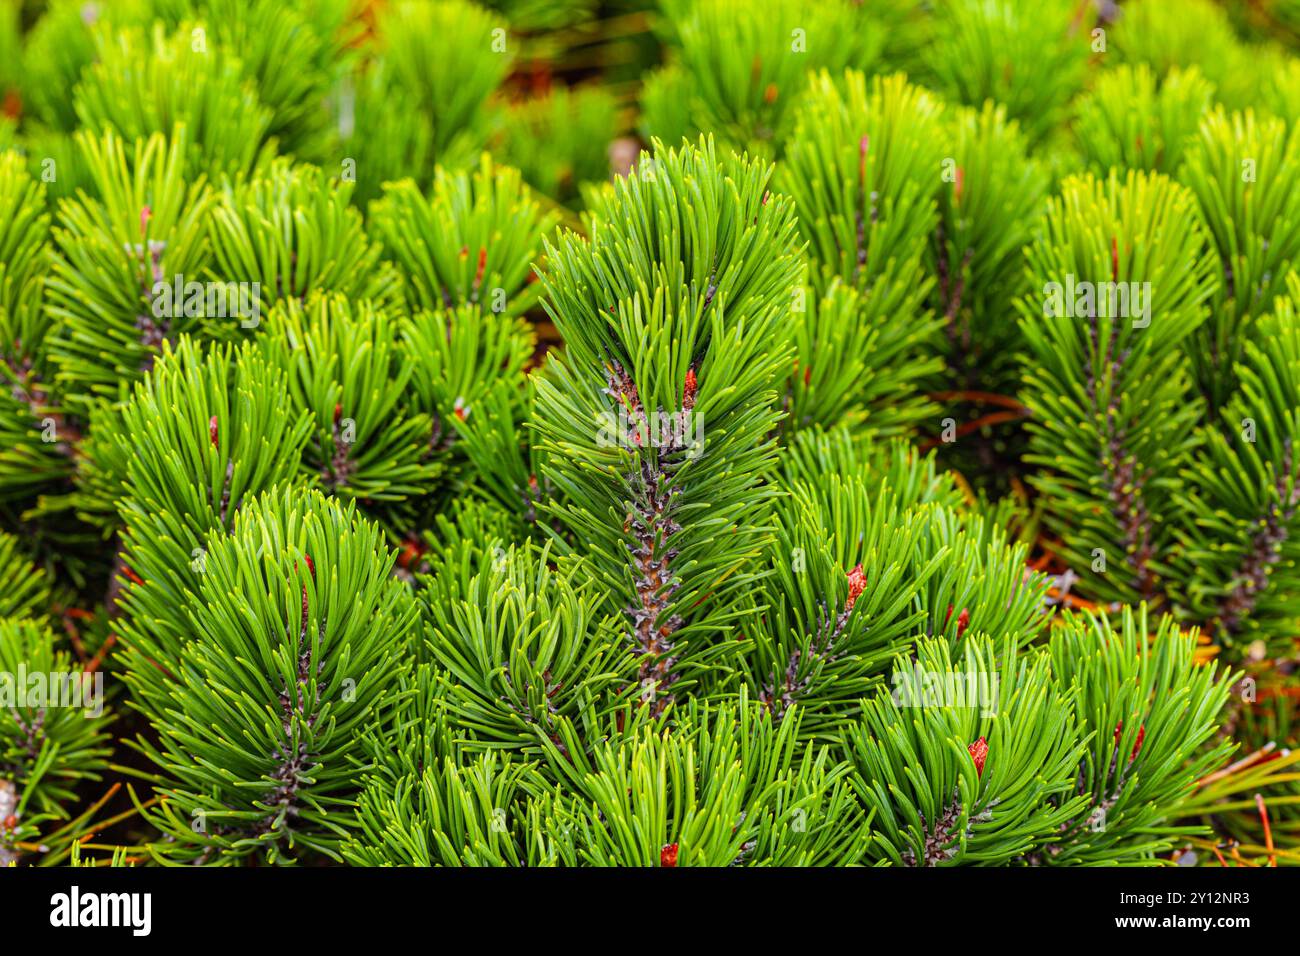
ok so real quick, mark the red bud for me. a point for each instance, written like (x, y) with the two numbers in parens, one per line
(979, 752)
(963, 620)
(412, 551)
(857, 584)
(668, 855)
(1137, 744)
(212, 430)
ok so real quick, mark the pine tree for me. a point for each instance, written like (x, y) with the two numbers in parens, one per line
(292, 232)
(28, 410)
(141, 83)
(110, 323)
(861, 169)
(1242, 502)
(1200, 35)
(293, 633)
(1030, 60)
(893, 462)
(443, 58)
(740, 67)
(981, 780)
(1128, 119)
(1237, 166)
(986, 217)
(560, 142)
(470, 241)
(45, 751)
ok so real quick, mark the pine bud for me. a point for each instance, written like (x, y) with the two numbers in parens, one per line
(482, 266)
(412, 551)
(212, 430)
(979, 752)
(1137, 744)
(668, 855)
(857, 584)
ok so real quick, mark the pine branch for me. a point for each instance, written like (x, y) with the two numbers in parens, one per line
(1124, 287)
(671, 320)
